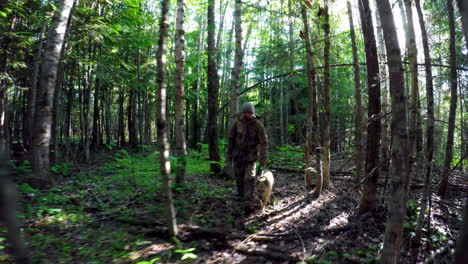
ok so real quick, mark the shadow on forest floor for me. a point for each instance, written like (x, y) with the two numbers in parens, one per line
(112, 212)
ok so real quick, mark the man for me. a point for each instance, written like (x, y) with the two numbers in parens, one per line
(246, 136)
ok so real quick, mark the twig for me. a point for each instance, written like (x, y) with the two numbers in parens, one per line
(367, 176)
(302, 243)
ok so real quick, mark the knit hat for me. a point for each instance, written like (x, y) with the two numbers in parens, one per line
(248, 107)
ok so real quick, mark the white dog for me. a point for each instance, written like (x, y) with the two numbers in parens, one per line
(264, 187)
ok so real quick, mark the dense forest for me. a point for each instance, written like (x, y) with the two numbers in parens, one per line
(115, 118)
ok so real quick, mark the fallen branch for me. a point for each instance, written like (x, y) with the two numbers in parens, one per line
(277, 254)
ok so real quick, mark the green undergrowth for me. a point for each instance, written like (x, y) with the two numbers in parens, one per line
(87, 217)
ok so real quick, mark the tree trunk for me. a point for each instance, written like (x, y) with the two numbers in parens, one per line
(33, 91)
(461, 254)
(357, 95)
(196, 105)
(132, 117)
(383, 83)
(181, 148)
(213, 90)
(412, 54)
(453, 103)
(292, 81)
(238, 58)
(326, 101)
(369, 197)
(121, 117)
(97, 86)
(45, 93)
(8, 217)
(87, 107)
(400, 170)
(430, 122)
(68, 110)
(312, 144)
(162, 119)
(463, 8)
(4, 129)
(57, 105)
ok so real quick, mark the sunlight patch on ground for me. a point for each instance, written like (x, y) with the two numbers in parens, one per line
(338, 221)
(150, 251)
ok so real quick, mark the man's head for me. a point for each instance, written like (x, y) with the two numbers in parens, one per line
(248, 110)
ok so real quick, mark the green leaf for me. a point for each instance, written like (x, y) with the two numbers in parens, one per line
(189, 256)
(3, 14)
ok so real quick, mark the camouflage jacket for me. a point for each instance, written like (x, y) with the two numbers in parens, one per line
(244, 139)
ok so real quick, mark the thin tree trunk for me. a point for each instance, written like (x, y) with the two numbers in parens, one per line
(369, 196)
(32, 92)
(430, 122)
(400, 170)
(357, 95)
(312, 144)
(412, 54)
(108, 114)
(162, 119)
(68, 110)
(97, 86)
(238, 58)
(181, 148)
(293, 101)
(383, 83)
(453, 103)
(213, 90)
(196, 105)
(4, 120)
(121, 117)
(326, 101)
(45, 93)
(87, 107)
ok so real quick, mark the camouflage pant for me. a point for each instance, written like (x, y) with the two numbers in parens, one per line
(245, 181)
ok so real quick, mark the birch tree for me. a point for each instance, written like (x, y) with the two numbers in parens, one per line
(45, 93)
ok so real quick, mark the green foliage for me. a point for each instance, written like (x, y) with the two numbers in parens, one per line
(287, 157)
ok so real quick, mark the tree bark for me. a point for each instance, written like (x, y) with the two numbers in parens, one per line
(357, 95)
(412, 54)
(8, 214)
(33, 90)
(45, 93)
(181, 148)
(430, 122)
(461, 254)
(369, 197)
(97, 87)
(292, 81)
(312, 144)
(213, 90)
(326, 101)
(57, 106)
(453, 103)
(238, 58)
(87, 106)
(400, 169)
(121, 129)
(4, 129)
(383, 82)
(162, 119)
(463, 8)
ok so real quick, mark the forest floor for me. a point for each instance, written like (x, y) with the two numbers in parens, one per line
(111, 211)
